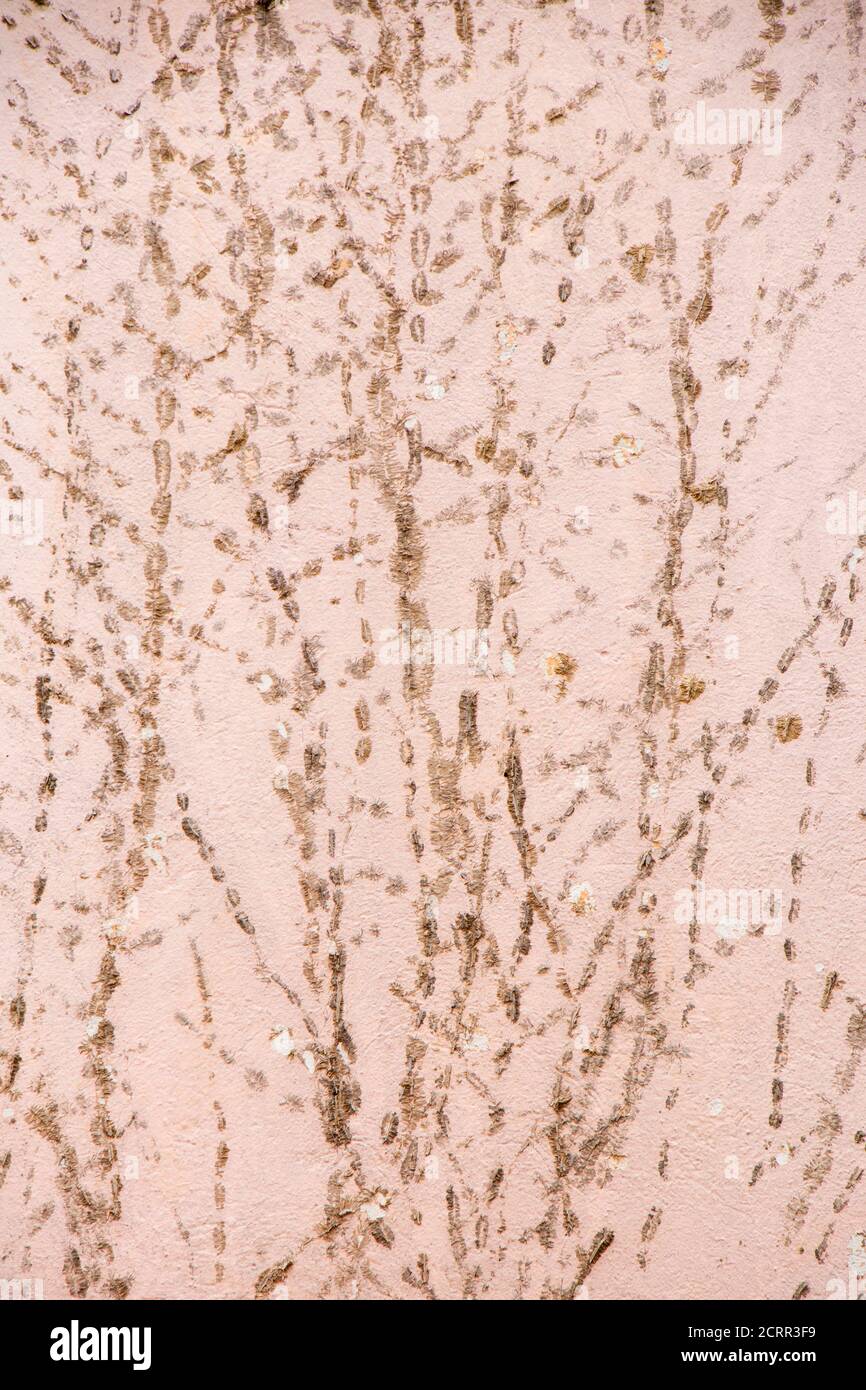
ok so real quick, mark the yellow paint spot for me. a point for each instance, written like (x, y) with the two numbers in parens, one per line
(561, 667)
(690, 689)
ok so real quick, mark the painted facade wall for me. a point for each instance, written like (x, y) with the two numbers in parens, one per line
(432, 806)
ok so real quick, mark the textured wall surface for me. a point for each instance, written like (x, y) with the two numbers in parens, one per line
(432, 807)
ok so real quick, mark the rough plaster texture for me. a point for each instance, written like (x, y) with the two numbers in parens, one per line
(330, 976)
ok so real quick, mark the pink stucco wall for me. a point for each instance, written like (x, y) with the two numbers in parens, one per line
(323, 975)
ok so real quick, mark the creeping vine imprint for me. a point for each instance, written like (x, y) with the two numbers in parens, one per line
(432, 649)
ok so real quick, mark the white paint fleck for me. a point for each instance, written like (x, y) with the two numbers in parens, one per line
(582, 898)
(626, 448)
(283, 1043)
(434, 388)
